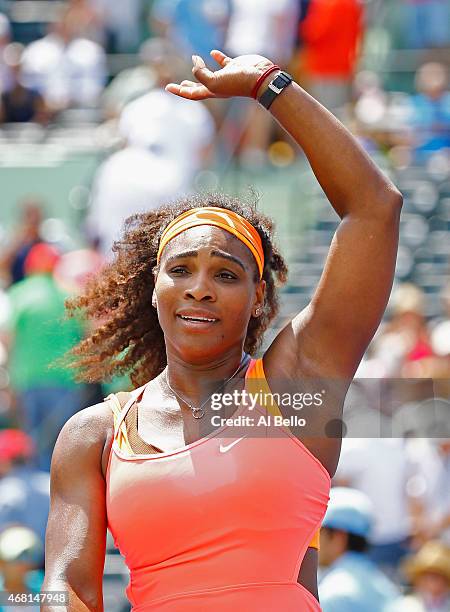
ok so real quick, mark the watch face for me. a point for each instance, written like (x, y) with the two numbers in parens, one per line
(285, 77)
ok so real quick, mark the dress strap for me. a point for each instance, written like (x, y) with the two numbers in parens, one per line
(137, 444)
(120, 404)
(256, 384)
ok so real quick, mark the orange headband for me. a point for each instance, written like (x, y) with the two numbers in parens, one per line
(220, 217)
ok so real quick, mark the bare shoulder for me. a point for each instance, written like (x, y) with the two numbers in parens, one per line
(89, 425)
(86, 436)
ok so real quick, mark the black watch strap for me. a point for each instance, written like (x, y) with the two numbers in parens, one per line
(279, 83)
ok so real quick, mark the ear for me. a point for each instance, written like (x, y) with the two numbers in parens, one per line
(258, 305)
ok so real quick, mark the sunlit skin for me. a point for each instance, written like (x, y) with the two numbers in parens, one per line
(432, 584)
(324, 340)
(333, 545)
(196, 272)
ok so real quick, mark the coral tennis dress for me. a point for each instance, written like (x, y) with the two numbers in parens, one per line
(220, 524)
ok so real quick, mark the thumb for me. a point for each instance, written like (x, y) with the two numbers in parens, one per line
(200, 71)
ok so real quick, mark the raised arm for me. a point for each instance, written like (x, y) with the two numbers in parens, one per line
(76, 531)
(329, 337)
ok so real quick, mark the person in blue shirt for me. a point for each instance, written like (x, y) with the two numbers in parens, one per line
(430, 111)
(350, 582)
(195, 26)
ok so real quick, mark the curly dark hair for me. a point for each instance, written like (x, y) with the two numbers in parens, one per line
(127, 337)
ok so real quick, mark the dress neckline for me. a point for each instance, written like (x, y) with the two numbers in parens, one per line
(137, 395)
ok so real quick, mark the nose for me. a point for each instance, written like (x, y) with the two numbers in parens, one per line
(200, 289)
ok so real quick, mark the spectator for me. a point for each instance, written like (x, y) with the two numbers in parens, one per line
(379, 468)
(405, 340)
(132, 83)
(430, 111)
(330, 52)
(429, 573)
(20, 104)
(351, 582)
(122, 23)
(66, 70)
(432, 487)
(427, 23)
(169, 140)
(263, 27)
(266, 28)
(86, 21)
(194, 26)
(24, 491)
(47, 395)
(20, 551)
(27, 235)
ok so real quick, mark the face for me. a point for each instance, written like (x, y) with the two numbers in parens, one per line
(206, 273)
(433, 584)
(332, 546)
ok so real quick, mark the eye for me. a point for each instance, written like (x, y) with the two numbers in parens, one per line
(178, 270)
(227, 276)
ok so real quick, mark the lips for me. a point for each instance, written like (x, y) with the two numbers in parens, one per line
(197, 317)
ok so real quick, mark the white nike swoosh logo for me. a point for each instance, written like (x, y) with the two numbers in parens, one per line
(224, 449)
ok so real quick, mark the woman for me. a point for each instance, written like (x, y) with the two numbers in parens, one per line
(206, 519)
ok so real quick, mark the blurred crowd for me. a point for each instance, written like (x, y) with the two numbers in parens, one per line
(385, 543)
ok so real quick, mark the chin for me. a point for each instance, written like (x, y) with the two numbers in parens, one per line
(200, 351)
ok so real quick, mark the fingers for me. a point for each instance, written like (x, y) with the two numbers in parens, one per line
(200, 71)
(220, 57)
(190, 90)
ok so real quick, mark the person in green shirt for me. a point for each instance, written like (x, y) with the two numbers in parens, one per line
(38, 335)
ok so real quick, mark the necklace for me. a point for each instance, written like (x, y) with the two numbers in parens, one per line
(198, 413)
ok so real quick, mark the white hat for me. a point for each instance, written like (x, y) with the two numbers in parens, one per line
(440, 339)
(18, 543)
(349, 510)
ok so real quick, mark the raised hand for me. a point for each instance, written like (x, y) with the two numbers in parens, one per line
(236, 77)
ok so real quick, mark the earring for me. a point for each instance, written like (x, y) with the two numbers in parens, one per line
(257, 312)
(154, 302)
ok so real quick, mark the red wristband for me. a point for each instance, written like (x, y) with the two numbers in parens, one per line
(261, 79)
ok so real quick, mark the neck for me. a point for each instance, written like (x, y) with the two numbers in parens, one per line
(195, 382)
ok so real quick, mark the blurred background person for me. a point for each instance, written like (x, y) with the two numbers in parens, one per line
(27, 234)
(193, 26)
(168, 141)
(46, 393)
(331, 35)
(86, 20)
(350, 582)
(379, 468)
(131, 83)
(121, 22)
(19, 103)
(431, 487)
(266, 28)
(24, 490)
(67, 70)
(428, 573)
(430, 110)
(406, 338)
(20, 571)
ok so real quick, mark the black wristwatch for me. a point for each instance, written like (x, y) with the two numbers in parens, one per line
(279, 83)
